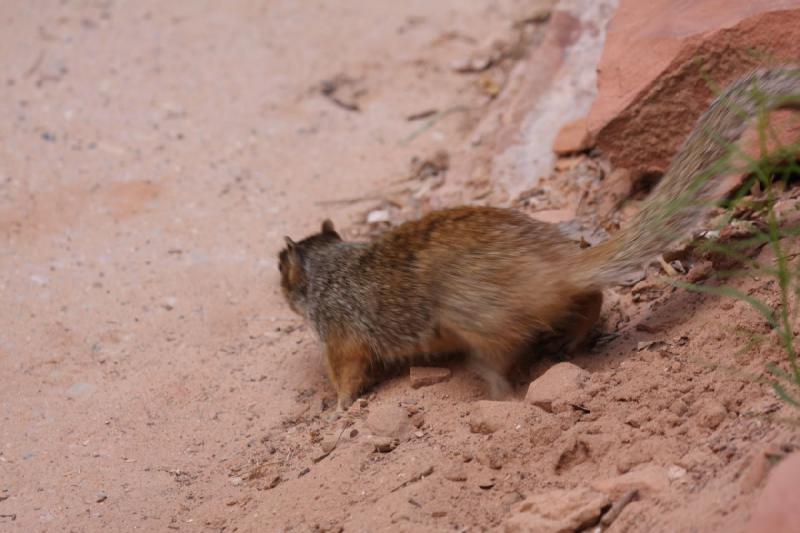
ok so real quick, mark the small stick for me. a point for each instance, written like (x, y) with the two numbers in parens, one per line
(617, 508)
(671, 272)
(427, 472)
(432, 121)
(335, 444)
(422, 114)
(347, 201)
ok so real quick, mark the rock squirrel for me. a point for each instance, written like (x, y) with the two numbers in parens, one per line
(486, 280)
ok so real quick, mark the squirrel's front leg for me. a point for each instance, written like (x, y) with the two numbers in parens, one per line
(348, 363)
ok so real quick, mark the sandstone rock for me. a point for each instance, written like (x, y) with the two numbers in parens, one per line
(388, 421)
(645, 291)
(486, 481)
(711, 413)
(423, 376)
(455, 473)
(699, 271)
(776, 510)
(563, 381)
(650, 479)
(573, 137)
(381, 444)
(635, 116)
(557, 511)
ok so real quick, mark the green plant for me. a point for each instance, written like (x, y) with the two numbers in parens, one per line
(770, 175)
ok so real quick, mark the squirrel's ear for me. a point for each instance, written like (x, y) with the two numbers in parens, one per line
(290, 244)
(327, 226)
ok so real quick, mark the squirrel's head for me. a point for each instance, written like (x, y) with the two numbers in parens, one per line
(292, 265)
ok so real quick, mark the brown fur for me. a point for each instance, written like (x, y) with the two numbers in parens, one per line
(488, 280)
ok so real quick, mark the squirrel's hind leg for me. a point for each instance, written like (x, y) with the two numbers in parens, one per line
(585, 313)
(492, 363)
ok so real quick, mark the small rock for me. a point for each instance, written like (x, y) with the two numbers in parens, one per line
(169, 303)
(101, 497)
(236, 481)
(699, 271)
(388, 421)
(650, 479)
(644, 291)
(563, 381)
(39, 280)
(711, 413)
(486, 481)
(378, 216)
(512, 498)
(328, 445)
(383, 444)
(675, 472)
(424, 376)
(558, 511)
(456, 474)
(776, 510)
(572, 138)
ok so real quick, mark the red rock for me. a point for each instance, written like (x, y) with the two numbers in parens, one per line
(423, 376)
(557, 511)
(573, 137)
(699, 271)
(644, 109)
(562, 381)
(650, 479)
(776, 510)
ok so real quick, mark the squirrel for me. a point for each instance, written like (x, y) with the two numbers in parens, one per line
(489, 280)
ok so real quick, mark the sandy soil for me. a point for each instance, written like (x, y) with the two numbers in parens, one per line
(154, 156)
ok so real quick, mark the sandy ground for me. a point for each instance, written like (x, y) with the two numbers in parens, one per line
(153, 157)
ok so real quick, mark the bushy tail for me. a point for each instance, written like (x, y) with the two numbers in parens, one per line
(688, 188)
